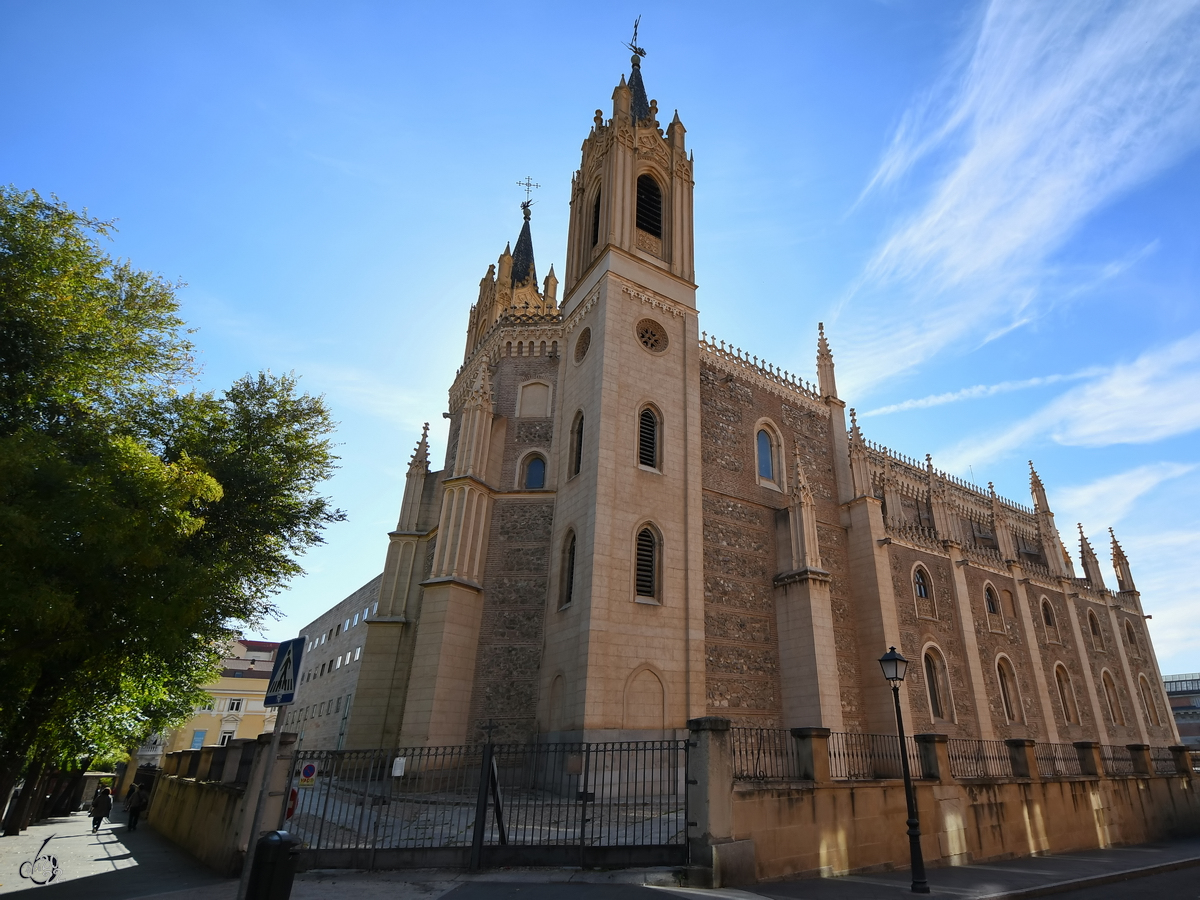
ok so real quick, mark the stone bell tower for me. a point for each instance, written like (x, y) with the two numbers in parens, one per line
(625, 622)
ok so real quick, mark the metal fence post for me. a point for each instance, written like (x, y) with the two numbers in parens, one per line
(481, 805)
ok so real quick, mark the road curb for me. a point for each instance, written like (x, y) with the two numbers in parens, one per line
(1075, 884)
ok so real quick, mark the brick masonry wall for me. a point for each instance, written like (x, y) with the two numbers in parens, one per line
(741, 640)
(517, 566)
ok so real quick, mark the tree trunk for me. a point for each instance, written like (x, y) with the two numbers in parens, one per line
(17, 811)
(66, 802)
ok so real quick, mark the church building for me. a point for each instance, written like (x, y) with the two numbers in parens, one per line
(636, 525)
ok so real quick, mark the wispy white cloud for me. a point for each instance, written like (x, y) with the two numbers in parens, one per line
(1053, 111)
(1103, 503)
(980, 391)
(1156, 396)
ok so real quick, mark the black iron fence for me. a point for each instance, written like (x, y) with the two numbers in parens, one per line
(979, 759)
(1117, 760)
(869, 756)
(1163, 761)
(565, 803)
(1057, 760)
(764, 754)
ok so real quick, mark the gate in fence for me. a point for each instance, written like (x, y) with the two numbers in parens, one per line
(577, 804)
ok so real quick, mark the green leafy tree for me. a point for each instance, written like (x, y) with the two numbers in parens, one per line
(140, 523)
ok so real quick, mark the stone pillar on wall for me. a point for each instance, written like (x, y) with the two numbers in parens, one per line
(935, 756)
(1028, 624)
(1089, 758)
(1023, 756)
(1140, 754)
(804, 616)
(812, 749)
(710, 793)
(966, 629)
(870, 582)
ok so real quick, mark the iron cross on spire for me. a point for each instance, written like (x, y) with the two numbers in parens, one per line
(633, 45)
(529, 184)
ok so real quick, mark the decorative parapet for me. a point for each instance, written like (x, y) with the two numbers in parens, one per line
(735, 361)
(917, 535)
(526, 334)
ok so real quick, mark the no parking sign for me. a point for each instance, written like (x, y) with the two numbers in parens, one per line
(308, 775)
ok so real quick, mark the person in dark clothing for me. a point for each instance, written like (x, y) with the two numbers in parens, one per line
(101, 807)
(138, 801)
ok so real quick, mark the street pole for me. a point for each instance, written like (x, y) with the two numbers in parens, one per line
(919, 885)
(256, 822)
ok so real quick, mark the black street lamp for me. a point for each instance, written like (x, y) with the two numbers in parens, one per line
(894, 666)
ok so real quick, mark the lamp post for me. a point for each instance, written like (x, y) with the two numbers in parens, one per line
(894, 666)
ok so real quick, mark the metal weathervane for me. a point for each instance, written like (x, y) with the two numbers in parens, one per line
(633, 44)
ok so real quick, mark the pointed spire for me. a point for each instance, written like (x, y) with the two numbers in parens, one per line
(855, 434)
(1121, 565)
(420, 457)
(639, 106)
(523, 268)
(1038, 490)
(1087, 558)
(825, 377)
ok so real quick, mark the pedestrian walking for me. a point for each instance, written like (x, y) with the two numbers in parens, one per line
(101, 807)
(137, 802)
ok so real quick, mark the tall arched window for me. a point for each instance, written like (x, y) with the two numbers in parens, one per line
(936, 686)
(596, 219)
(1066, 694)
(1049, 621)
(1131, 637)
(1116, 715)
(766, 455)
(1008, 690)
(989, 600)
(648, 449)
(646, 564)
(577, 444)
(568, 571)
(923, 592)
(535, 473)
(649, 205)
(921, 584)
(1148, 699)
(1097, 634)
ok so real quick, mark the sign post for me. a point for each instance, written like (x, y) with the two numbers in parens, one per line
(281, 692)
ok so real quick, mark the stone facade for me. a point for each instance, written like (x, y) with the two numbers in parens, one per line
(636, 525)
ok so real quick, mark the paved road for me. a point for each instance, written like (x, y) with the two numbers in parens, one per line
(117, 865)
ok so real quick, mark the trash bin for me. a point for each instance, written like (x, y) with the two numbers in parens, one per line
(274, 867)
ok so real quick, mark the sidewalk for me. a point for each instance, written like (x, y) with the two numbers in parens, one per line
(110, 865)
(116, 865)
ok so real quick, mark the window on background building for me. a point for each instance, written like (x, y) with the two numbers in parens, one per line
(357, 652)
(355, 624)
(198, 739)
(235, 705)
(365, 615)
(346, 627)
(647, 564)
(568, 591)
(226, 737)
(649, 205)
(535, 473)
(338, 665)
(375, 607)
(648, 439)
(766, 456)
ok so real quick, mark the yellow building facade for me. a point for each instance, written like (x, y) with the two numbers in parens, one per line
(236, 707)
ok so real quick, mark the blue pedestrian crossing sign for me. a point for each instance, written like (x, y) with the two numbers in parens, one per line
(286, 673)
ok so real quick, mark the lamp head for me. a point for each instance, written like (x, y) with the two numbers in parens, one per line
(894, 666)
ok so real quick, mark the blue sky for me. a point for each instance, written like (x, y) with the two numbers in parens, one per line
(992, 206)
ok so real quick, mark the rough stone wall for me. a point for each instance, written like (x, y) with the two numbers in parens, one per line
(917, 631)
(517, 566)
(741, 639)
(1062, 650)
(1002, 633)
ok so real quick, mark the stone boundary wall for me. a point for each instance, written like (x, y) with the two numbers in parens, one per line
(204, 800)
(763, 831)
